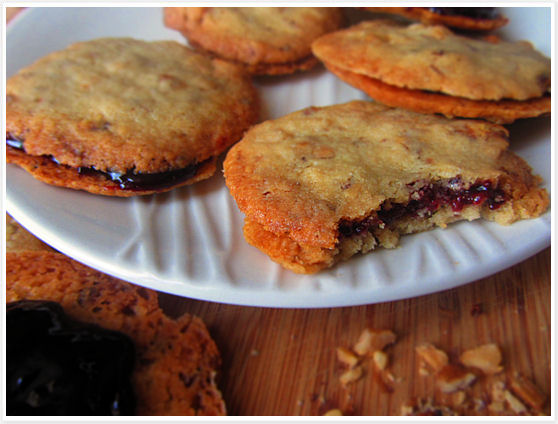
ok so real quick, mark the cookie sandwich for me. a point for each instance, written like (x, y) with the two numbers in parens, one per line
(429, 69)
(322, 184)
(80, 342)
(124, 117)
(264, 40)
(462, 18)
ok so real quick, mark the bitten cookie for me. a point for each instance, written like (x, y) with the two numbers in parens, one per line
(176, 360)
(430, 69)
(322, 184)
(464, 18)
(266, 40)
(123, 117)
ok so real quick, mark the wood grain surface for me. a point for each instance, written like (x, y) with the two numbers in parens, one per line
(283, 361)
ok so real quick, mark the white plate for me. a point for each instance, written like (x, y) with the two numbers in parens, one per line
(189, 242)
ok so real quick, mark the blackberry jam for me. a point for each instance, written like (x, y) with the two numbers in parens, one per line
(470, 12)
(129, 180)
(425, 200)
(58, 366)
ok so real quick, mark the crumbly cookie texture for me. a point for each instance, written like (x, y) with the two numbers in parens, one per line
(322, 184)
(176, 360)
(266, 40)
(125, 105)
(459, 18)
(433, 58)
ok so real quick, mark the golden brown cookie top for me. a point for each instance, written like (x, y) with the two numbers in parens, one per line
(433, 58)
(303, 173)
(168, 352)
(120, 104)
(255, 36)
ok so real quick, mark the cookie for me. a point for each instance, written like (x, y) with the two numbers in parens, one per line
(265, 40)
(463, 18)
(176, 360)
(430, 69)
(124, 117)
(322, 184)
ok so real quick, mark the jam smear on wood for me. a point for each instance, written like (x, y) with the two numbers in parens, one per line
(58, 366)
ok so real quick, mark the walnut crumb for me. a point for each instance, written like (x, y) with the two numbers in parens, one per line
(333, 412)
(453, 378)
(437, 359)
(346, 357)
(486, 358)
(380, 359)
(373, 340)
(351, 375)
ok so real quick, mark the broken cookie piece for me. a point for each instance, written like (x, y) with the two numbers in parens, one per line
(322, 184)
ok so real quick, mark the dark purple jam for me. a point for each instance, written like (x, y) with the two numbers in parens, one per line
(470, 12)
(58, 366)
(144, 181)
(129, 180)
(425, 200)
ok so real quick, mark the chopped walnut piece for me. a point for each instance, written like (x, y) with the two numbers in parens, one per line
(333, 412)
(514, 403)
(486, 358)
(453, 378)
(434, 357)
(380, 359)
(527, 391)
(373, 340)
(347, 357)
(351, 375)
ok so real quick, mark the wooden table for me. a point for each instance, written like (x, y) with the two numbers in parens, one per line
(283, 361)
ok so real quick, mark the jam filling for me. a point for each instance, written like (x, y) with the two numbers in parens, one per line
(129, 180)
(470, 12)
(58, 366)
(425, 200)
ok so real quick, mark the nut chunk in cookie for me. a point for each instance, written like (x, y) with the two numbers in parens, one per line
(429, 69)
(322, 184)
(265, 40)
(124, 117)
